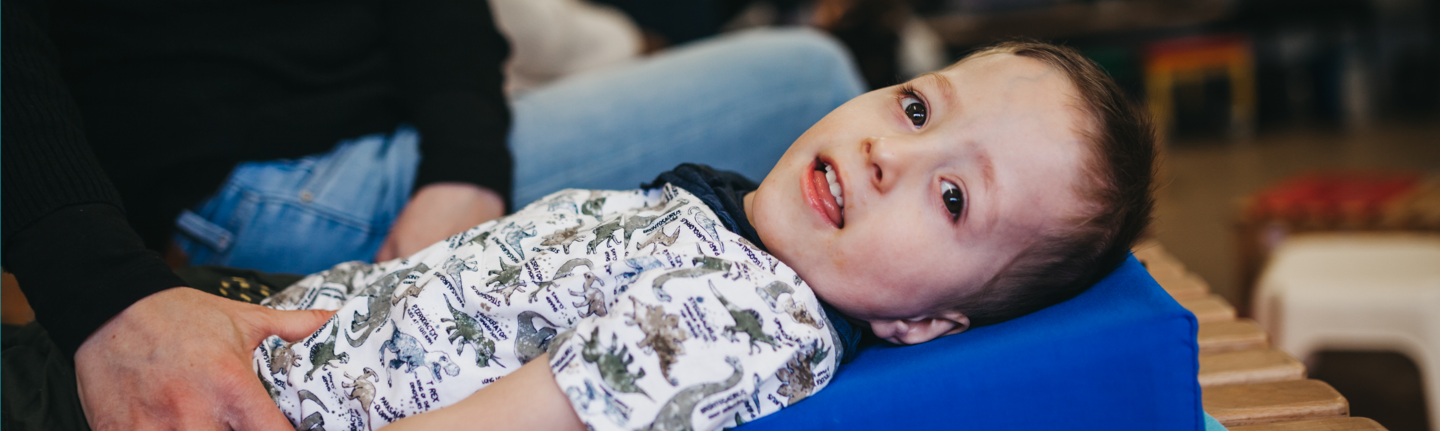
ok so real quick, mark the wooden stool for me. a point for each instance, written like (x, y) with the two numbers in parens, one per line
(1193, 60)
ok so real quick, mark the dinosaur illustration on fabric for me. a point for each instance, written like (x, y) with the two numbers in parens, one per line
(559, 203)
(796, 376)
(344, 275)
(531, 341)
(362, 390)
(746, 321)
(660, 239)
(636, 266)
(604, 234)
(282, 357)
(611, 348)
(378, 307)
(512, 234)
(410, 353)
(593, 205)
(415, 288)
(709, 225)
(479, 240)
(592, 297)
(563, 238)
(676, 414)
(313, 421)
(453, 267)
(266, 383)
(705, 265)
(663, 335)
(470, 332)
(637, 222)
(614, 410)
(507, 279)
(613, 364)
(324, 352)
(797, 311)
(772, 291)
(799, 314)
(565, 269)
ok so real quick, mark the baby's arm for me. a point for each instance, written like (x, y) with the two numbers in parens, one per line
(527, 399)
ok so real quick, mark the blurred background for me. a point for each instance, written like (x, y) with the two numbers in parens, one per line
(1279, 119)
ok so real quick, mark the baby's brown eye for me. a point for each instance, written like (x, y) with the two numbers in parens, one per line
(953, 199)
(915, 110)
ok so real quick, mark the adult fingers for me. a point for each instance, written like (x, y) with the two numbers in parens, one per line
(254, 410)
(291, 325)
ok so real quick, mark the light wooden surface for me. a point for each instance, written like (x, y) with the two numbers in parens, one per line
(1335, 424)
(1182, 286)
(1212, 308)
(1248, 366)
(1230, 336)
(1157, 260)
(1262, 403)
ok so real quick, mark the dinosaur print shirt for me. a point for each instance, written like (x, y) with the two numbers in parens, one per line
(653, 315)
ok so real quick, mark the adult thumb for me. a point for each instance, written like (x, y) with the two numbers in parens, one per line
(295, 325)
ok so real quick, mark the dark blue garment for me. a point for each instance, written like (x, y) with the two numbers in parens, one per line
(722, 191)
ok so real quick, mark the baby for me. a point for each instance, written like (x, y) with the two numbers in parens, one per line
(1005, 183)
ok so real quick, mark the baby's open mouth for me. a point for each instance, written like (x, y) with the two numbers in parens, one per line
(825, 182)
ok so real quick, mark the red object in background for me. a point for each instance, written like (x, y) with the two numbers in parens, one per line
(1330, 201)
(1333, 199)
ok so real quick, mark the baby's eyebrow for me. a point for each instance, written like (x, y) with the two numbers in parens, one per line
(985, 165)
(943, 84)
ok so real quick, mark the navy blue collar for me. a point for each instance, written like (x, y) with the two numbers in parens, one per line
(722, 191)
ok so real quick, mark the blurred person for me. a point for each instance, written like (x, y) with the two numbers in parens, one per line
(173, 97)
(555, 38)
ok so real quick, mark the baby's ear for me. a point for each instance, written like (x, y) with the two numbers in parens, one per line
(921, 329)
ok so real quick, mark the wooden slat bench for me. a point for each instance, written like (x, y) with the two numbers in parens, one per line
(1247, 386)
(1335, 424)
(1248, 366)
(1262, 403)
(1234, 335)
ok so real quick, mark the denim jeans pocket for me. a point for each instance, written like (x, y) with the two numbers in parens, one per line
(304, 215)
(199, 229)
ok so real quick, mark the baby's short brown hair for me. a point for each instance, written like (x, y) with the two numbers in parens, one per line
(1116, 187)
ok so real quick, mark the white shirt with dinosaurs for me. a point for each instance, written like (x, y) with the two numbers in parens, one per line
(654, 315)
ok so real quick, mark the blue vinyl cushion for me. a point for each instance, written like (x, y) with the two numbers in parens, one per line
(1122, 355)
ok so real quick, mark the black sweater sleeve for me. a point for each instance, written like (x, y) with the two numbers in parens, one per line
(448, 56)
(64, 233)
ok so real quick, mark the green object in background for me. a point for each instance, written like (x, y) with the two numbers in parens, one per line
(1121, 63)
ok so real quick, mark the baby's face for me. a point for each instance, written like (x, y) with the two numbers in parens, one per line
(941, 181)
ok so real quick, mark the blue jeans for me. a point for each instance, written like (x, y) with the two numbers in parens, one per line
(734, 102)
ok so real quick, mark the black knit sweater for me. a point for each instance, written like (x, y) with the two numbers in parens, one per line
(118, 114)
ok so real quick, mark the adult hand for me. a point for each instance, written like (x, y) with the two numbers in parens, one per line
(181, 359)
(438, 211)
